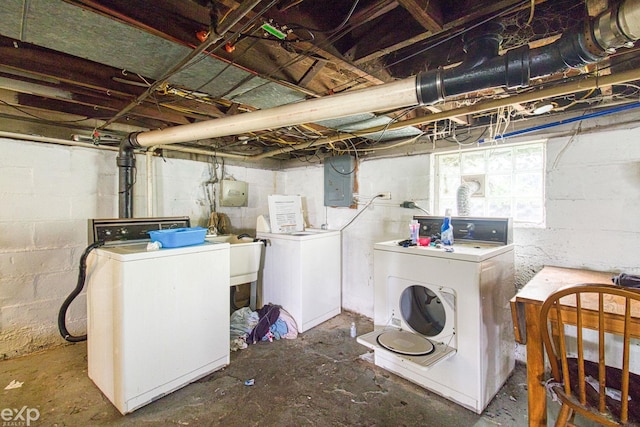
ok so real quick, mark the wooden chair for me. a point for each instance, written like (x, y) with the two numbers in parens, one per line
(598, 307)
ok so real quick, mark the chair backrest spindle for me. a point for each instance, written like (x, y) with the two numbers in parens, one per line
(606, 309)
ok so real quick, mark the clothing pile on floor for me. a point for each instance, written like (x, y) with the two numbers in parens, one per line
(269, 323)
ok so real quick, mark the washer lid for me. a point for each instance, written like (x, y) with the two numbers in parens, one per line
(407, 343)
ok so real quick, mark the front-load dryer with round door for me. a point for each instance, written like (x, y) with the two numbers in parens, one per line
(442, 318)
(420, 324)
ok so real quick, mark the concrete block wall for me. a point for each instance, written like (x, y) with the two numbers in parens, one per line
(592, 203)
(47, 195)
(48, 192)
(180, 186)
(407, 178)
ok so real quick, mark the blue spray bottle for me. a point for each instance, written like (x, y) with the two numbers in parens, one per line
(446, 233)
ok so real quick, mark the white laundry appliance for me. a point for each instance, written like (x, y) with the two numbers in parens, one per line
(441, 314)
(302, 267)
(157, 320)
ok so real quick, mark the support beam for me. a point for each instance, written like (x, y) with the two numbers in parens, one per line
(312, 72)
(426, 12)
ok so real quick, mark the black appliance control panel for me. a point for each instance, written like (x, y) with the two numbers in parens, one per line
(470, 229)
(122, 230)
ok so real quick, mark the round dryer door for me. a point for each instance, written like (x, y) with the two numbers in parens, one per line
(423, 310)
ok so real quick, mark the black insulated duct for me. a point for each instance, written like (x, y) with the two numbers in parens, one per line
(584, 44)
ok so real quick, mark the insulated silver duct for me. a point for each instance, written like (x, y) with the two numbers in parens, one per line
(463, 196)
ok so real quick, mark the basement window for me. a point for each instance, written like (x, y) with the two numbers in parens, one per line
(503, 181)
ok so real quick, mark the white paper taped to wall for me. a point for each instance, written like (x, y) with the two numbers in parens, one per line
(285, 213)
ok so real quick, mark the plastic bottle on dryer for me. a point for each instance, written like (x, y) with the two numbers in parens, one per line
(446, 233)
(414, 231)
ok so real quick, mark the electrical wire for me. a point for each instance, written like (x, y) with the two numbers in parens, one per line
(355, 166)
(386, 126)
(531, 12)
(574, 134)
(442, 41)
(361, 211)
(130, 186)
(193, 58)
(423, 210)
(42, 118)
(306, 53)
(338, 28)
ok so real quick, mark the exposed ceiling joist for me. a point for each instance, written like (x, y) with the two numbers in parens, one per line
(106, 59)
(426, 12)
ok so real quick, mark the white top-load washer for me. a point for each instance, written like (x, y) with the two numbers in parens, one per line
(441, 314)
(156, 320)
(302, 267)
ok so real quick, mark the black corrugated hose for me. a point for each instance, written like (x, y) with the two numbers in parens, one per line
(62, 314)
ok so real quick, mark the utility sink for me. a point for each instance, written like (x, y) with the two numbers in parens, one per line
(245, 257)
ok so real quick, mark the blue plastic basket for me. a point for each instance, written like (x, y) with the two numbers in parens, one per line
(178, 237)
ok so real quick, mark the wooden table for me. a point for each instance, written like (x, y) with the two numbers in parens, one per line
(525, 309)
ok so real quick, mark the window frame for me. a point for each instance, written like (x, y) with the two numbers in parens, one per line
(436, 177)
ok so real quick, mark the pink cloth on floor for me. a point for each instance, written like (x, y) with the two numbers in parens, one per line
(292, 332)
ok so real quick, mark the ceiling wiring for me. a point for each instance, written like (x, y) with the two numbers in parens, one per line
(532, 11)
(440, 42)
(312, 62)
(194, 57)
(23, 111)
(300, 56)
(333, 30)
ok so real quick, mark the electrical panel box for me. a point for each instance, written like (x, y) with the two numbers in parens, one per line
(339, 175)
(233, 193)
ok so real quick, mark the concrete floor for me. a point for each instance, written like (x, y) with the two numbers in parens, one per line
(316, 380)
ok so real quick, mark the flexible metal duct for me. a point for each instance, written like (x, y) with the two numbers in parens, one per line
(484, 68)
(463, 197)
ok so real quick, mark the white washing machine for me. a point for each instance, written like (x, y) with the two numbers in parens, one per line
(442, 318)
(302, 268)
(302, 274)
(156, 320)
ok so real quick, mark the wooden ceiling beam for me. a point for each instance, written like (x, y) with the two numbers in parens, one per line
(311, 49)
(312, 72)
(458, 23)
(64, 95)
(48, 65)
(426, 12)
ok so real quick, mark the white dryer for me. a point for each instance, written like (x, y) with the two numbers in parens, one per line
(442, 317)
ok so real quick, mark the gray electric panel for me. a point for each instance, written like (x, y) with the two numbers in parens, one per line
(339, 175)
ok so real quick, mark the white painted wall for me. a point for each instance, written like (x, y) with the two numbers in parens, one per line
(407, 178)
(592, 205)
(48, 192)
(47, 195)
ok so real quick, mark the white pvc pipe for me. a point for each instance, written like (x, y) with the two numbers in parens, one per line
(37, 138)
(377, 98)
